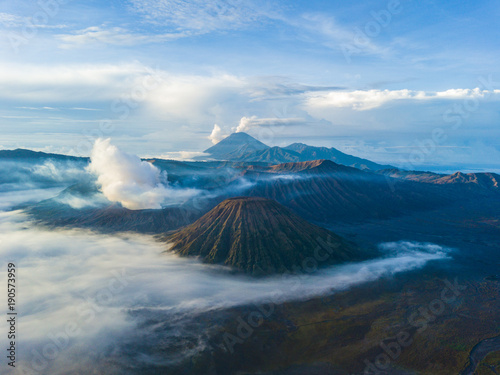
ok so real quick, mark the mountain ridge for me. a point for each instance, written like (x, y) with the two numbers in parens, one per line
(243, 147)
(484, 180)
(23, 153)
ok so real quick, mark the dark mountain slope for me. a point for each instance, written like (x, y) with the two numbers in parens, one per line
(322, 191)
(471, 181)
(260, 236)
(105, 216)
(314, 153)
(28, 155)
(271, 155)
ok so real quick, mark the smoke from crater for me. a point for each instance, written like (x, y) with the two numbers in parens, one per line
(134, 183)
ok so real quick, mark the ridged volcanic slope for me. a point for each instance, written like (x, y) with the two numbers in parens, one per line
(260, 236)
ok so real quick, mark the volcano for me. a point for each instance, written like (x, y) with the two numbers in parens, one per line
(234, 146)
(260, 237)
(241, 147)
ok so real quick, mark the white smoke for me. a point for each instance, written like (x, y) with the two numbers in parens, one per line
(134, 183)
(247, 123)
(216, 136)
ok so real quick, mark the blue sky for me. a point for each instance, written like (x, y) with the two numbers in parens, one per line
(413, 83)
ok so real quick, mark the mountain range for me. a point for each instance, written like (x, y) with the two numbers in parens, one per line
(243, 147)
(321, 191)
(485, 180)
(21, 154)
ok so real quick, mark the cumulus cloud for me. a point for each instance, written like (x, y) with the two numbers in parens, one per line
(216, 136)
(134, 183)
(198, 98)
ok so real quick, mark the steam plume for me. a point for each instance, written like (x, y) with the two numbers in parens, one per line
(134, 183)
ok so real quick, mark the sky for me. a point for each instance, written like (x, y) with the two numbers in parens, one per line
(412, 83)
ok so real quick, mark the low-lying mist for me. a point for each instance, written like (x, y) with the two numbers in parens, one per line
(25, 182)
(83, 292)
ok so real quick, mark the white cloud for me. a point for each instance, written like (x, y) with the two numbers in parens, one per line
(12, 20)
(177, 111)
(204, 16)
(198, 98)
(11, 199)
(464, 93)
(361, 100)
(216, 136)
(114, 36)
(9, 20)
(71, 83)
(325, 30)
(136, 184)
(247, 123)
(181, 155)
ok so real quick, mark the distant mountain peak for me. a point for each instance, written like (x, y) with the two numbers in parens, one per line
(235, 145)
(240, 138)
(241, 135)
(243, 147)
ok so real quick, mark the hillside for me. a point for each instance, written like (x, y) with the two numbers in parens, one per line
(323, 191)
(259, 236)
(32, 156)
(313, 153)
